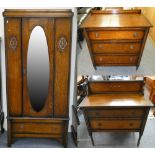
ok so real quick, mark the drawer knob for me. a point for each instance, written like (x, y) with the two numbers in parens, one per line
(135, 35)
(132, 47)
(131, 124)
(96, 34)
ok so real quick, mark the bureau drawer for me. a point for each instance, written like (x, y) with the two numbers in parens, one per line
(116, 34)
(102, 124)
(37, 128)
(116, 113)
(122, 48)
(105, 87)
(113, 60)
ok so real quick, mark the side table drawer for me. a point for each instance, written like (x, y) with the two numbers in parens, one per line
(115, 124)
(116, 113)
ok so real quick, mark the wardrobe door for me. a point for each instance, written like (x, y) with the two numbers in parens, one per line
(38, 46)
(13, 65)
(62, 66)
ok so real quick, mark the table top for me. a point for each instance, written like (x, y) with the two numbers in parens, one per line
(115, 100)
(115, 20)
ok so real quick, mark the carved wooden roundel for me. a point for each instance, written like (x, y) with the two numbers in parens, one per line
(62, 43)
(13, 43)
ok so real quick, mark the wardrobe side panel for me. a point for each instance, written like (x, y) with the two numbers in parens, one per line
(13, 65)
(62, 66)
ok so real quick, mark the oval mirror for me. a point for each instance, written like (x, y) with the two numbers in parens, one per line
(38, 68)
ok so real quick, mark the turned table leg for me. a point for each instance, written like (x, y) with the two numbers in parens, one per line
(140, 135)
(2, 122)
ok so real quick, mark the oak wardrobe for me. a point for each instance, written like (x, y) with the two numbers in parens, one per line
(38, 50)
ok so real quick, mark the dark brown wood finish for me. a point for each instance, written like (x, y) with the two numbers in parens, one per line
(14, 66)
(52, 120)
(62, 67)
(110, 33)
(115, 106)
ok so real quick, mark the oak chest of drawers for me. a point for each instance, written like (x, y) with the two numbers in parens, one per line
(115, 106)
(116, 38)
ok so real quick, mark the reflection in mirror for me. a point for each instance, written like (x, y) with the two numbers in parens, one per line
(38, 68)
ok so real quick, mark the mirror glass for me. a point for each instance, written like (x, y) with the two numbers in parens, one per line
(38, 68)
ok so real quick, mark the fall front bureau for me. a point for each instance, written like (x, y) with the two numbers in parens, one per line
(116, 38)
(116, 109)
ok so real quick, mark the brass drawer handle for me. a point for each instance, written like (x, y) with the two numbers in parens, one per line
(99, 124)
(131, 47)
(21, 126)
(96, 34)
(100, 46)
(131, 124)
(131, 59)
(135, 35)
(100, 59)
(115, 86)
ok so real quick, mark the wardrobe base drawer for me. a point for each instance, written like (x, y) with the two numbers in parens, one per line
(37, 128)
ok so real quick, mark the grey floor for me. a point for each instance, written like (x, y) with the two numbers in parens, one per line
(85, 66)
(35, 143)
(119, 140)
